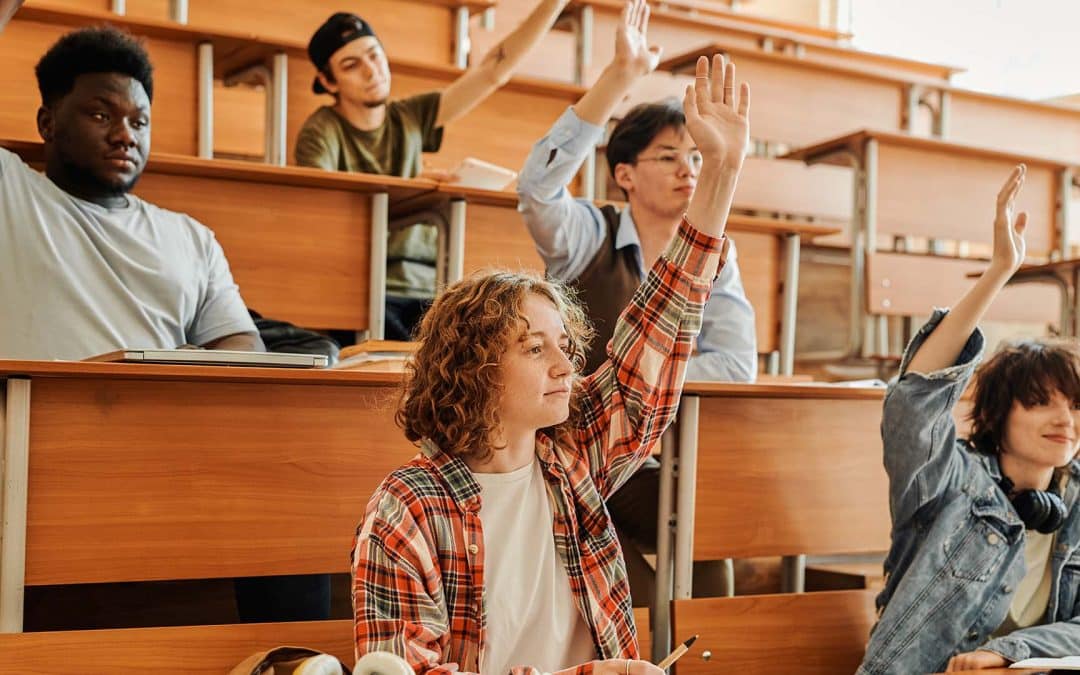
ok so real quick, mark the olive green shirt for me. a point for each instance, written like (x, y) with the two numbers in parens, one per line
(328, 141)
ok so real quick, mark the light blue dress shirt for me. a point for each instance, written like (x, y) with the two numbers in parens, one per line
(568, 232)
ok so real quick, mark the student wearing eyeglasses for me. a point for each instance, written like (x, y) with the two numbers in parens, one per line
(604, 252)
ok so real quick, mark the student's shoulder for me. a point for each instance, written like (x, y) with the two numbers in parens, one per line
(321, 122)
(176, 222)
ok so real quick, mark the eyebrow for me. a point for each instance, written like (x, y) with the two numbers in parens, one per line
(540, 333)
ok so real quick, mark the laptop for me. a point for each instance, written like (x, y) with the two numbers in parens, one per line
(214, 357)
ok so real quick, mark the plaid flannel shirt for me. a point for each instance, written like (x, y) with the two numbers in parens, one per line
(418, 557)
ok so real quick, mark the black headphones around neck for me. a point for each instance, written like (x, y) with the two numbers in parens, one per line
(1041, 510)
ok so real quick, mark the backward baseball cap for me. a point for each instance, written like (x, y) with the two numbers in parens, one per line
(336, 32)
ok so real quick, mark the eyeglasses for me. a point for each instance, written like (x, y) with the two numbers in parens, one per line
(669, 161)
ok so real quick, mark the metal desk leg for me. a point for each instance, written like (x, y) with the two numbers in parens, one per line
(15, 444)
(178, 11)
(279, 114)
(380, 231)
(660, 618)
(792, 244)
(689, 410)
(119, 7)
(206, 100)
(461, 37)
(793, 574)
(456, 247)
(583, 39)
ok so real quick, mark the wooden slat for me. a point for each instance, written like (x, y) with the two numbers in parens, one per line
(912, 285)
(926, 192)
(798, 474)
(675, 31)
(782, 84)
(781, 186)
(197, 479)
(641, 621)
(794, 634)
(193, 650)
(1027, 127)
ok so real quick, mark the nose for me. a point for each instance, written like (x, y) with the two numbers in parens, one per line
(563, 366)
(122, 133)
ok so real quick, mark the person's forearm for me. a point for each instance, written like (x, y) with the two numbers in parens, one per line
(505, 57)
(597, 105)
(7, 10)
(943, 346)
(239, 342)
(711, 203)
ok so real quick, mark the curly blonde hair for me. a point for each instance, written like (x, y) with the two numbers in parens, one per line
(452, 384)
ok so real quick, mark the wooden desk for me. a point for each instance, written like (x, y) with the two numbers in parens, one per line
(486, 230)
(305, 245)
(1066, 275)
(772, 456)
(938, 190)
(125, 472)
(595, 21)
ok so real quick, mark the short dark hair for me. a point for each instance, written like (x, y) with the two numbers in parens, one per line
(92, 50)
(639, 127)
(1027, 371)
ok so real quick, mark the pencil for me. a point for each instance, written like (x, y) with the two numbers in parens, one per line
(677, 654)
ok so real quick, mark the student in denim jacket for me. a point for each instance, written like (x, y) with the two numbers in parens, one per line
(970, 584)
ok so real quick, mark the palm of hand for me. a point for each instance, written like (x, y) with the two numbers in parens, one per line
(632, 48)
(719, 131)
(1009, 245)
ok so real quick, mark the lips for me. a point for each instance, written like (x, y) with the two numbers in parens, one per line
(558, 392)
(1058, 439)
(121, 161)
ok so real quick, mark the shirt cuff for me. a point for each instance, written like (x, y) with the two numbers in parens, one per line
(700, 255)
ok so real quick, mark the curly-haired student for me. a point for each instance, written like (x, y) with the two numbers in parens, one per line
(492, 551)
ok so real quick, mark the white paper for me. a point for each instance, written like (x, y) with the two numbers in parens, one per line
(1067, 663)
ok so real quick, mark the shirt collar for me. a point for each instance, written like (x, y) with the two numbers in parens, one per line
(455, 473)
(626, 234)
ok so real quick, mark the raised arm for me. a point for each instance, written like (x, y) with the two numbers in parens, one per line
(633, 59)
(944, 345)
(631, 399)
(567, 231)
(7, 10)
(498, 65)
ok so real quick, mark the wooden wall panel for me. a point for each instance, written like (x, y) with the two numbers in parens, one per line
(299, 254)
(148, 479)
(782, 476)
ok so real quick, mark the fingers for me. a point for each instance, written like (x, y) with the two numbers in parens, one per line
(643, 22)
(744, 100)
(1021, 223)
(1012, 185)
(717, 80)
(701, 83)
(729, 84)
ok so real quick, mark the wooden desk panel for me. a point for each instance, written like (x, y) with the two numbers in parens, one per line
(821, 633)
(1026, 127)
(146, 479)
(174, 110)
(193, 650)
(796, 472)
(299, 254)
(911, 285)
(792, 188)
(944, 194)
(495, 236)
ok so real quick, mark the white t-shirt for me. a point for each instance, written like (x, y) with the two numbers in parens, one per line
(77, 279)
(1028, 606)
(532, 617)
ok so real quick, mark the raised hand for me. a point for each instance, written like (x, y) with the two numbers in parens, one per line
(632, 51)
(1009, 245)
(719, 126)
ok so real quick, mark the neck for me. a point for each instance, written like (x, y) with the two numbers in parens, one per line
(513, 451)
(654, 230)
(78, 188)
(1025, 475)
(361, 116)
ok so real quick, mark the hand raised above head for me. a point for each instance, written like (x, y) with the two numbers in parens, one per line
(719, 126)
(1009, 245)
(633, 54)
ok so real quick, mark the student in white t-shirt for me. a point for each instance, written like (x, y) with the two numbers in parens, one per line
(85, 266)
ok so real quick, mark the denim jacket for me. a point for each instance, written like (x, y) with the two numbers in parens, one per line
(957, 543)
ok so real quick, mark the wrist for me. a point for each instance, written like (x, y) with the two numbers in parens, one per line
(623, 73)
